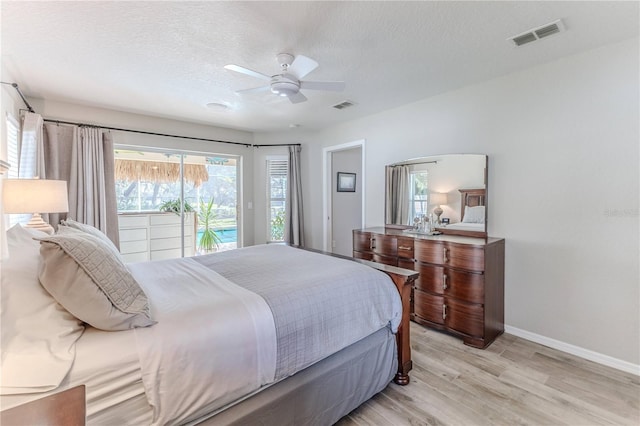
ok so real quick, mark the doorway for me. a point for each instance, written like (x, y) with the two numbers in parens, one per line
(343, 210)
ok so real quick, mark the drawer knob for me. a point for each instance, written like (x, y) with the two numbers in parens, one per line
(404, 248)
(444, 312)
(372, 243)
(444, 253)
(444, 282)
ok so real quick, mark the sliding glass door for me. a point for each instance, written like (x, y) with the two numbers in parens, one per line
(155, 222)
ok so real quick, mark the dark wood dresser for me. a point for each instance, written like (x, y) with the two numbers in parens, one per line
(461, 285)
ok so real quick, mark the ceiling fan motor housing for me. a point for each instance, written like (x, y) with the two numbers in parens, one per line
(284, 85)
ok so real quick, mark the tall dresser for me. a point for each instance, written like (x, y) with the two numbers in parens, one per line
(461, 285)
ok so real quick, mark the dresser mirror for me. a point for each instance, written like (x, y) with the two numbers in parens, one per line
(452, 188)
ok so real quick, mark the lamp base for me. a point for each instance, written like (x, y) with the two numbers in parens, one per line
(438, 211)
(36, 222)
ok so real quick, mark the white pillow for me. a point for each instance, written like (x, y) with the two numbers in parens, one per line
(474, 214)
(72, 224)
(38, 335)
(82, 273)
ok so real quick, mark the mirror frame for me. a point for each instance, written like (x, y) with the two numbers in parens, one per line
(464, 192)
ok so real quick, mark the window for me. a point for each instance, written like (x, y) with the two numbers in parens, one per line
(418, 193)
(276, 197)
(148, 181)
(13, 156)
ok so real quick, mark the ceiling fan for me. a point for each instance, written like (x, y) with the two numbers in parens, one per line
(288, 83)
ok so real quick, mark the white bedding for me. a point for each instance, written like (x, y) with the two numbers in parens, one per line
(107, 364)
(175, 371)
(192, 305)
(464, 226)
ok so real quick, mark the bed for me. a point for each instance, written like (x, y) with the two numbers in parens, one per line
(299, 354)
(472, 212)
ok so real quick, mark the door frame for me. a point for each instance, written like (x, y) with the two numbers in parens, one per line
(327, 188)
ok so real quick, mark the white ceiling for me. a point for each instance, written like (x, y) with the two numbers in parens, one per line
(166, 58)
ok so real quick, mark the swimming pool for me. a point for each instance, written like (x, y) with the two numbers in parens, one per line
(229, 235)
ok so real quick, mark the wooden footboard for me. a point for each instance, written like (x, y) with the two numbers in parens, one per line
(403, 279)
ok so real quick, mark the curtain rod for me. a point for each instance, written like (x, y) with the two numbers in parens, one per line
(413, 163)
(15, 86)
(278, 144)
(248, 145)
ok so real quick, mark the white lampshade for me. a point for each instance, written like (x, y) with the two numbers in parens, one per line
(34, 196)
(437, 198)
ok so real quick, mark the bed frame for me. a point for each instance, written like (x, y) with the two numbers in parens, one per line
(310, 391)
(403, 280)
(472, 198)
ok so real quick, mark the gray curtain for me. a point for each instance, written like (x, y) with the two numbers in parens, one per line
(84, 157)
(399, 191)
(294, 223)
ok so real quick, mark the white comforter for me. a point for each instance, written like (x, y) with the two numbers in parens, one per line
(192, 305)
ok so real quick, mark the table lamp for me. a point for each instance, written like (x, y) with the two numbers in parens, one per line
(437, 198)
(35, 196)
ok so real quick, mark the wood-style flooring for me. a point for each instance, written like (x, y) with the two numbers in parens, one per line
(512, 382)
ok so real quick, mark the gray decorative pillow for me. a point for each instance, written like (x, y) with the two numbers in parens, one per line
(82, 273)
(72, 224)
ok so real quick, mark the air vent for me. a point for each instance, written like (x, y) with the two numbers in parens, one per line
(538, 33)
(343, 105)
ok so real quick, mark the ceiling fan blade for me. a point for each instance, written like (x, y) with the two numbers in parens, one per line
(335, 86)
(302, 66)
(247, 71)
(297, 98)
(253, 90)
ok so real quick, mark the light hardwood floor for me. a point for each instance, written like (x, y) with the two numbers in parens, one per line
(512, 382)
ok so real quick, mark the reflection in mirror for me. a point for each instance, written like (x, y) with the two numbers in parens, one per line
(451, 188)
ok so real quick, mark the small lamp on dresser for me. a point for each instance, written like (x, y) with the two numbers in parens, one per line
(35, 196)
(437, 199)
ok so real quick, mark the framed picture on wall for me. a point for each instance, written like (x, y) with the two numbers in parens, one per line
(346, 182)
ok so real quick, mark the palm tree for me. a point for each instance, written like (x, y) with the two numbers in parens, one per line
(209, 240)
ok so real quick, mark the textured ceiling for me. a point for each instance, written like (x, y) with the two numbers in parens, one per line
(166, 58)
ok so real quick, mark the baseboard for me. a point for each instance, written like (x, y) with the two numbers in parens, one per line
(607, 360)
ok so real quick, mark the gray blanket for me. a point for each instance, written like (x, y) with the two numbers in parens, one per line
(320, 304)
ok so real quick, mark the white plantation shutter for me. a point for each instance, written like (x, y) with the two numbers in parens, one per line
(276, 196)
(277, 168)
(13, 158)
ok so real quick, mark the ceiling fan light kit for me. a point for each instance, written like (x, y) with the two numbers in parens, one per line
(288, 83)
(284, 85)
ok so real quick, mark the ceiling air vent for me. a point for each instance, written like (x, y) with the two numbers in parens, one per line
(538, 33)
(343, 105)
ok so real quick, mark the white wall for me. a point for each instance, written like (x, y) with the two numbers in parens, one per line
(110, 118)
(562, 141)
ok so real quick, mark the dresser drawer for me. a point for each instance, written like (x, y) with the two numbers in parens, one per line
(466, 286)
(361, 241)
(386, 260)
(428, 306)
(431, 278)
(464, 256)
(405, 248)
(384, 245)
(363, 255)
(464, 317)
(429, 251)
(407, 264)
